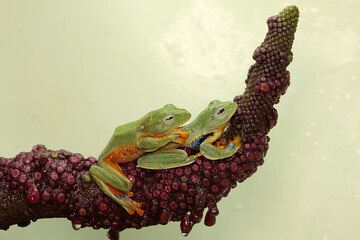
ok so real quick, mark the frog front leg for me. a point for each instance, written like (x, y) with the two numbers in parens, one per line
(214, 153)
(152, 143)
(164, 159)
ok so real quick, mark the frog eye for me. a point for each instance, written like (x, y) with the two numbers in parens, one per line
(220, 113)
(169, 120)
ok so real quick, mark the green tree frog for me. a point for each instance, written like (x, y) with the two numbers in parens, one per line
(129, 142)
(203, 131)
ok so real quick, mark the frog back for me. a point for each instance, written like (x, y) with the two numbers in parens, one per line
(124, 136)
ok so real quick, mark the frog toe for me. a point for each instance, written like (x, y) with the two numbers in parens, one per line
(128, 204)
(122, 198)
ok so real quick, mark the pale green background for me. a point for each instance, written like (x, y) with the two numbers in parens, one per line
(70, 71)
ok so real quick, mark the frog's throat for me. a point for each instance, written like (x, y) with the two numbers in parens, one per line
(217, 133)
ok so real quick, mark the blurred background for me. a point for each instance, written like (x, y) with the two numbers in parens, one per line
(71, 71)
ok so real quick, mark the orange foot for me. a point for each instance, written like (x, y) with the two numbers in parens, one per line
(180, 135)
(236, 142)
(131, 206)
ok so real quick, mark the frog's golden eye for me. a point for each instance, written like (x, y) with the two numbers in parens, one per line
(169, 120)
(220, 113)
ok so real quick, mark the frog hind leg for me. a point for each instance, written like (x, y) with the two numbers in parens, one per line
(112, 181)
(120, 197)
(164, 159)
(112, 174)
(214, 153)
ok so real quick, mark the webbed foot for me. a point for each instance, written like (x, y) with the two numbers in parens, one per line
(122, 198)
(179, 135)
(220, 152)
(116, 185)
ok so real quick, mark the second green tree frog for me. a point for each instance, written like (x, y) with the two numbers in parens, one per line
(203, 131)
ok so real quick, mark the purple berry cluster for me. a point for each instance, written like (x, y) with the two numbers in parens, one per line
(268, 78)
(44, 178)
(45, 183)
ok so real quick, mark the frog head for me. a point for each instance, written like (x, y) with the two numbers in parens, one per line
(216, 116)
(163, 120)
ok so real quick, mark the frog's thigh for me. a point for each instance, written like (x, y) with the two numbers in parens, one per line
(111, 177)
(213, 153)
(163, 159)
